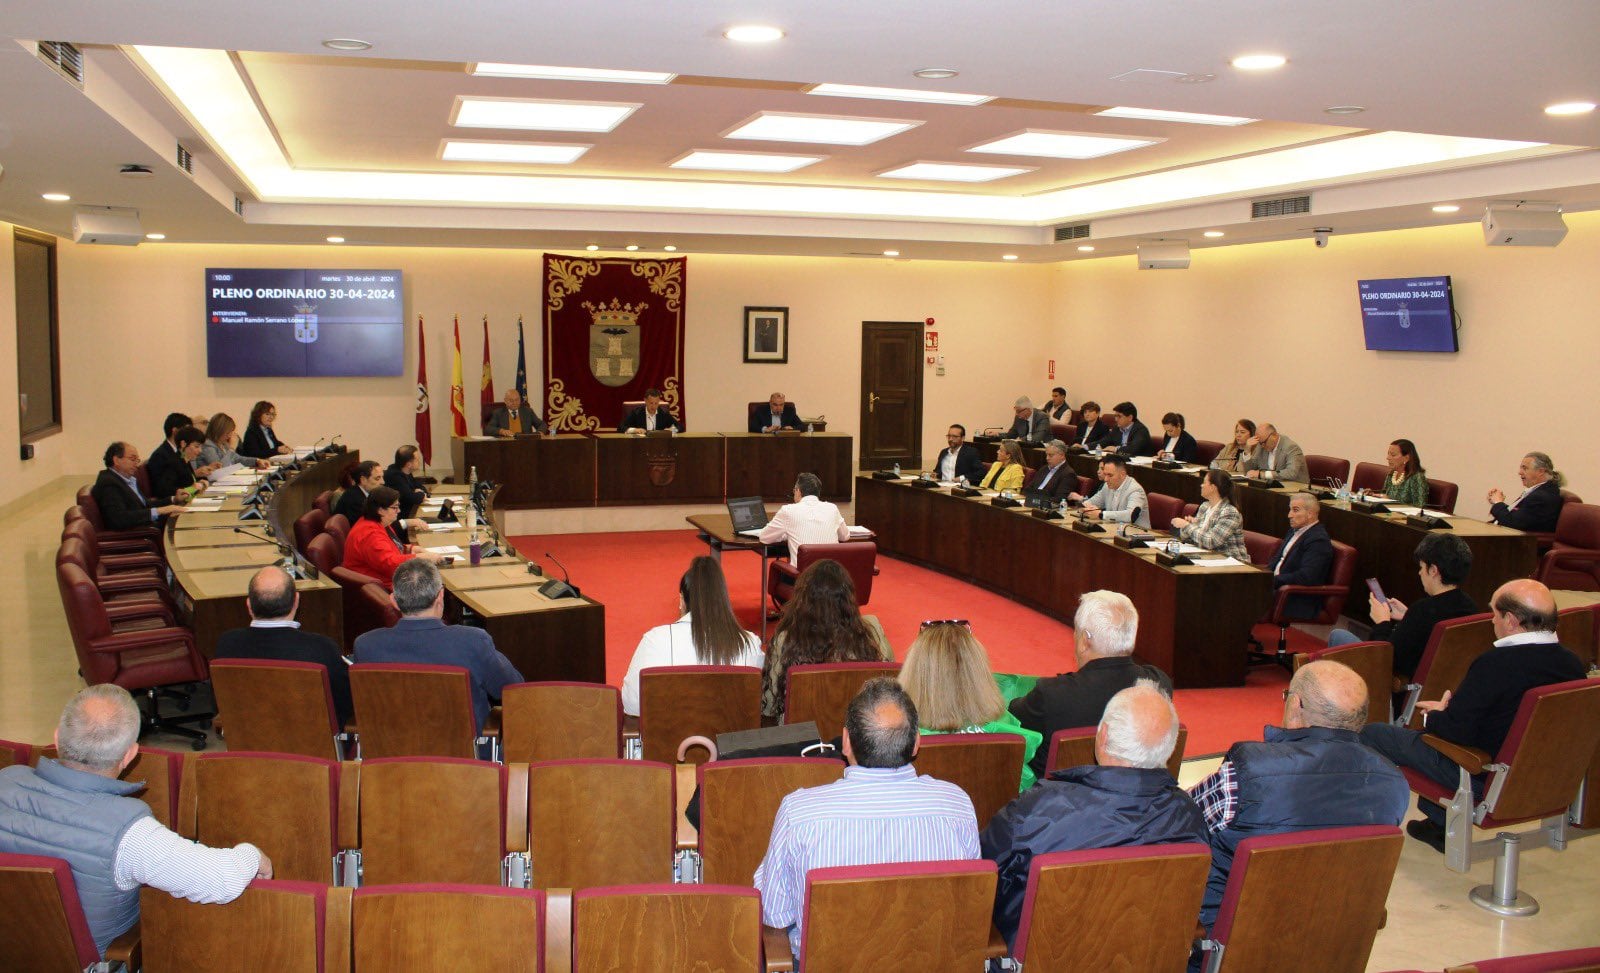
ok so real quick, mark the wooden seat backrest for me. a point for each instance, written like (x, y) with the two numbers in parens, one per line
(1372, 661)
(1453, 647)
(666, 929)
(438, 928)
(159, 770)
(276, 707)
(1551, 755)
(277, 925)
(933, 917)
(1575, 628)
(414, 711)
(39, 934)
(284, 804)
(560, 721)
(739, 800)
(682, 701)
(1075, 748)
(572, 803)
(822, 693)
(432, 820)
(988, 766)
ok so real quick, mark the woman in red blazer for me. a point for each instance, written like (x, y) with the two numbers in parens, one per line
(371, 549)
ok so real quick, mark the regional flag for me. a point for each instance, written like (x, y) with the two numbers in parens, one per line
(424, 408)
(486, 392)
(522, 365)
(458, 392)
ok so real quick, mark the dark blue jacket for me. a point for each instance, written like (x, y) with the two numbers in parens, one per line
(1300, 780)
(429, 641)
(1309, 562)
(1080, 808)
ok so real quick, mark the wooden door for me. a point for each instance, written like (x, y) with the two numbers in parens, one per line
(891, 394)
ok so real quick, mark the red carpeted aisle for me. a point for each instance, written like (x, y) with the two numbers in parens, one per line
(635, 575)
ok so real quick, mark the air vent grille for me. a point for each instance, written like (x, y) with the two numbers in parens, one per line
(238, 206)
(185, 160)
(1262, 209)
(1072, 231)
(64, 57)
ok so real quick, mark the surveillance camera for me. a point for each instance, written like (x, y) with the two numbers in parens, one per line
(1320, 235)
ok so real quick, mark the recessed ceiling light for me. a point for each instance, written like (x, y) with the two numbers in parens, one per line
(897, 94)
(539, 114)
(1008, 256)
(346, 44)
(1162, 115)
(533, 152)
(155, 236)
(336, 239)
(1259, 62)
(1447, 208)
(1085, 248)
(753, 33)
(496, 69)
(891, 253)
(1062, 145)
(1344, 109)
(953, 172)
(1570, 108)
(744, 161)
(1214, 234)
(774, 126)
(935, 74)
(631, 247)
(670, 249)
(55, 197)
(592, 247)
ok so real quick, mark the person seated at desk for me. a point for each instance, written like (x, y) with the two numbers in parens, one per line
(1233, 455)
(175, 476)
(260, 440)
(123, 506)
(779, 414)
(1030, 424)
(401, 478)
(1217, 525)
(1120, 499)
(1092, 433)
(1054, 477)
(1443, 563)
(1005, 473)
(1407, 482)
(1057, 409)
(821, 623)
(650, 417)
(220, 447)
(1274, 456)
(705, 634)
(959, 460)
(1131, 437)
(1305, 557)
(359, 480)
(1178, 445)
(514, 418)
(273, 634)
(809, 520)
(1539, 506)
(370, 548)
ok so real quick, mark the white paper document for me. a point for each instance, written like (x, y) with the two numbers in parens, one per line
(446, 549)
(1219, 562)
(860, 532)
(1408, 511)
(444, 526)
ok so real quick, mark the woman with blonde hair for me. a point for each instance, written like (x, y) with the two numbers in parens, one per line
(946, 673)
(1006, 472)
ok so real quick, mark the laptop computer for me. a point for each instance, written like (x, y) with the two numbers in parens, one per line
(749, 515)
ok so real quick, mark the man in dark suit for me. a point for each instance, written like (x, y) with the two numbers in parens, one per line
(123, 505)
(1539, 507)
(1092, 433)
(1054, 477)
(513, 418)
(1131, 437)
(959, 458)
(1030, 425)
(1303, 557)
(168, 467)
(274, 634)
(1057, 409)
(779, 414)
(651, 416)
(400, 477)
(422, 637)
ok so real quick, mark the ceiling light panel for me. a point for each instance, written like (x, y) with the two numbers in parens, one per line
(898, 94)
(1063, 145)
(538, 153)
(1186, 117)
(539, 114)
(953, 172)
(773, 126)
(744, 161)
(493, 69)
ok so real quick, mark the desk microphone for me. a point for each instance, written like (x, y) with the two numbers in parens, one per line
(562, 588)
(280, 545)
(290, 563)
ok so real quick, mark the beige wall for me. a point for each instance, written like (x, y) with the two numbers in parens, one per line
(1272, 331)
(51, 455)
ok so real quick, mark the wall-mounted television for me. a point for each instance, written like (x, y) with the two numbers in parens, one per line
(330, 323)
(1408, 314)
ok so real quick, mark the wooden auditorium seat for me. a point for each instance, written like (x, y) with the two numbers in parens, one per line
(676, 702)
(436, 819)
(600, 822)
(988, 766)
(443, 926)
(1373, 662)
(666, 928)
(560, 721)
(45, 925)
(1074, 747)
(278, 707)
(739, 801)
(416, 710)
(1452, 648)
(277, 925)
(821, 693)
(285, 804)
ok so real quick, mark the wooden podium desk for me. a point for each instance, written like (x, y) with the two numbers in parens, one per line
(1193, 621)
(681, 468)
(765, 464)
(533, 471)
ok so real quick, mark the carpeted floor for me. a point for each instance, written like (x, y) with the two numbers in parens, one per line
(635, 575)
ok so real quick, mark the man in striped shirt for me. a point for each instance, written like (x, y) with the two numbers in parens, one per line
(881, 812)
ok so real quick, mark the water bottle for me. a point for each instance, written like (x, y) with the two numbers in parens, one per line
(1062, 507)
(810, 429)
(475, 550)
(1173, 547)
(897, 470)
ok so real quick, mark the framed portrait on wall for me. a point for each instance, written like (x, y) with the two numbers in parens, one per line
(766, 334)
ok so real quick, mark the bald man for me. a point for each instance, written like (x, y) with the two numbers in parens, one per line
(1126, 798)
(1275, 456)
(1479, 713)
(1310, 773)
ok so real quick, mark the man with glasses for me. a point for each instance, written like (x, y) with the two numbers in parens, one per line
(1030, 424)
(959, 458)
(123, 506)
(1054, 478)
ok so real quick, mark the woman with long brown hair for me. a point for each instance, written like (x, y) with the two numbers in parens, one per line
(705, 634)
(821, 623)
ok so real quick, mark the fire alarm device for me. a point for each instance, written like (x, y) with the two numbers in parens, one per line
(930, 341)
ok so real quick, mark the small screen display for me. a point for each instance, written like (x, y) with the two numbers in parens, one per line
(304, 322)
(1408, 314)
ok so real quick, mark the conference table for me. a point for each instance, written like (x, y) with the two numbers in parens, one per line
(1194, 621)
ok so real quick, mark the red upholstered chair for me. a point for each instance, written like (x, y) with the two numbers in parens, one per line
(278, 925)
(1370, 477)
(823, 692)
(1190, 509)
(378, 605)
(359, 614)
(1536, 775)
(665, 928)
(1562, 961)
(1573, 562)
(1322, 469)
(338, 526)
(12, 752)
(136, 591)
(91, 511)
(142, 475)
(1162, 509)
(450, 927)
(1206, 450)
(1066, 896)
(278, 707)
(1373, 662)
(1333, 595)
(1578, 628)
(46, 928)
(1547, 539)
(1442, 495)
(1250, 932)
(1452, 648)
(1087, 485)
(859, 558)
(485, 413)
(323, 502)
(136, 563)
(105, 545)
(1062, 430)
(416, 710)
(323, 552)
(307, 526)
(1260, 547)
(142, 660)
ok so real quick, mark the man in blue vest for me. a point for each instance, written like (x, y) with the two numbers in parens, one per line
(1313, 772)
(75, 808)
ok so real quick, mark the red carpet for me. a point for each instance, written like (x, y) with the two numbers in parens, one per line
(635, 575)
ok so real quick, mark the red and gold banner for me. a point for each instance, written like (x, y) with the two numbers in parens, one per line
(613, 327)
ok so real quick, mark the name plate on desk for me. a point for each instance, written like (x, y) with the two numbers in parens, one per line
(886, 475)
(1261, 483)
(1087, 527)
(1171, 560)
(1132, 542)
(1005, 502)
(1166, 464)
(1368, 508)
(1424, 522)
(1323, 493)
(965, 492)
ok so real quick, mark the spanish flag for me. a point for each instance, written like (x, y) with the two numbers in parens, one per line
(458, 393)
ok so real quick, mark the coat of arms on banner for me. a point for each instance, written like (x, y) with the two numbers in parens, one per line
(305, 323)
(614, 341)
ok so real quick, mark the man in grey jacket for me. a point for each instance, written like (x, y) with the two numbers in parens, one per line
(1275, 456)
(1120, 499)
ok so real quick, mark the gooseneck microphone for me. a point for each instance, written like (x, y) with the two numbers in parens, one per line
(559, 589)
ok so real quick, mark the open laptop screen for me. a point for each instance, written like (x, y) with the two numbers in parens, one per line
(747, 513)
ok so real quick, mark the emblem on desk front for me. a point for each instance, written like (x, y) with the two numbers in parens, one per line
(614, 341)
(663, 465)
(305, 323)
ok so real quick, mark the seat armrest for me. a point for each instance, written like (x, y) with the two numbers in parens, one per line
(129, 611)
(558, 931)
(350, 805)
(1567, 557)
(132, 561)
(775, 944)
(336, 950)
(1470, 759)
(125, 950)
(786, 569)
(1281, 601)
(516, 807)
(123, 641)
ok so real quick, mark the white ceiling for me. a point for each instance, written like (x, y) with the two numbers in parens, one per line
(1469, 69)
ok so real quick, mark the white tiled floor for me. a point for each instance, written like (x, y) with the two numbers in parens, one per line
(1431, 923)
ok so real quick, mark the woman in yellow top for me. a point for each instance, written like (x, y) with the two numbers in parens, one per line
(1006, 472)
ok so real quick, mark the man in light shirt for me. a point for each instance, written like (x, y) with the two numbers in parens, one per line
(958, 459)
(75, 808)
(1120, 499)
(809, 520)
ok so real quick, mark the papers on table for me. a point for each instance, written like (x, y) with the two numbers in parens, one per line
(856, 531)
(1141, 460)
(1187, 548)
(223, 471)
(752, 532)
(445, 549)
(1220, 562)
(1408, 511)
(447, 525)
(205, 503)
